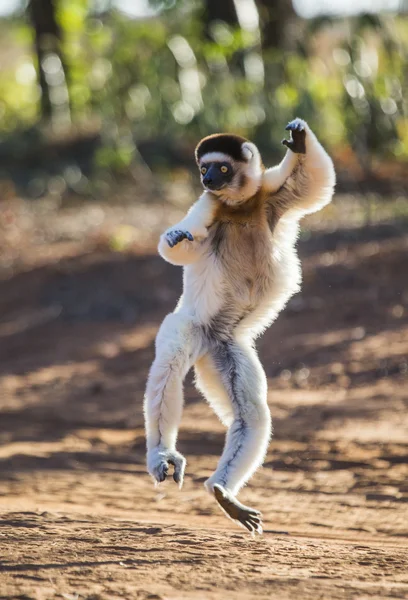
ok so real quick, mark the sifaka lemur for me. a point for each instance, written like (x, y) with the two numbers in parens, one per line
(237, 245)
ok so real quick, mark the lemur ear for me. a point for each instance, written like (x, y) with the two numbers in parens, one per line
(249, 151)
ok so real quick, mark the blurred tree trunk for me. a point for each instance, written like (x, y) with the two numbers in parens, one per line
(274, 18)
(219, 10)
(223, 10)
(47, 43)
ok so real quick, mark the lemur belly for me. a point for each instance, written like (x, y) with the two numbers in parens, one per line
(234, 278)
(245, 256)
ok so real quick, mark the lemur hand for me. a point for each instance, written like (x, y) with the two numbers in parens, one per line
(297, 136)
(175, 236)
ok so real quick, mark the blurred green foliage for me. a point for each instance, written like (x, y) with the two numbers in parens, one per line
(162, 78)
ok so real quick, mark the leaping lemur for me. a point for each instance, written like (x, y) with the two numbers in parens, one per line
(237, 247)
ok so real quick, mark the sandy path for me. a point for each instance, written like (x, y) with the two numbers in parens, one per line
(81, 519)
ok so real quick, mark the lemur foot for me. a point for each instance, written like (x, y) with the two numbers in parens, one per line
(297, 136)
(245, 516)
(175, 236)
(158, 466)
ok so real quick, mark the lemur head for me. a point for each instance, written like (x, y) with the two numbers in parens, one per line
(230, 166)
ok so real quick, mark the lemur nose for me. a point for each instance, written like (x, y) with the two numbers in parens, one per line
(207, 180)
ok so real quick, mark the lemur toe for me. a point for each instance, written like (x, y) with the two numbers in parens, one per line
(179, 464)
(255, 524)
(252, 521)
(245, 516)
(161, 472)
(159, 466)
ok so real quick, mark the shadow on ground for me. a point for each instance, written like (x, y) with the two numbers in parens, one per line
(77, 341)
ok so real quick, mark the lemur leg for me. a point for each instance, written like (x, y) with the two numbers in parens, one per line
(248, 435)
(209, 382)
(179, 343)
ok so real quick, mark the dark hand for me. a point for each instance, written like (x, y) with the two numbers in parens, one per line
(177, 235)
(297, 136)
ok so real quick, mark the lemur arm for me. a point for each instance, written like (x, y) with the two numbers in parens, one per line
(181, 244)
(304, 181)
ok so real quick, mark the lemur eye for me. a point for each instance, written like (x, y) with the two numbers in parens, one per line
(224, 169)
(203, 170)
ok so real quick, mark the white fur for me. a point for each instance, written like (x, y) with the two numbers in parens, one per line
(215, 157)
(299, 185)
(209, 382)
(203, 289)
(235, 468)
(164, 393)
(275, 177)
(199, 217)
(251, 152)
(286, 281)
(247, 152)
(177, 348)
(321, 176)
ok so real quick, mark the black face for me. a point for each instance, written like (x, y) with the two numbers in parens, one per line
(216, 175)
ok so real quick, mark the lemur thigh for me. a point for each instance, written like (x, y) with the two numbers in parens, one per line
(208, 380)
(179, 343)
(248, 435)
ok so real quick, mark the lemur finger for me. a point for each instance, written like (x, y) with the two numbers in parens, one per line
(172, 237)
(169, 240)
(297, 141)
(176, 236)
(183, 235)
(288, 143)
(295, 125)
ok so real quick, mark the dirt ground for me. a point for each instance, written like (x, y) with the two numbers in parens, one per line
(80, 518)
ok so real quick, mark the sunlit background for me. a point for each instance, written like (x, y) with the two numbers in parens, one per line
(121, 83)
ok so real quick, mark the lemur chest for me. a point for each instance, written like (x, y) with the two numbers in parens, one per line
(243, 251)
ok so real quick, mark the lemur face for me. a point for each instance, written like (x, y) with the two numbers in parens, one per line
(216, 175)
(230, 167)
